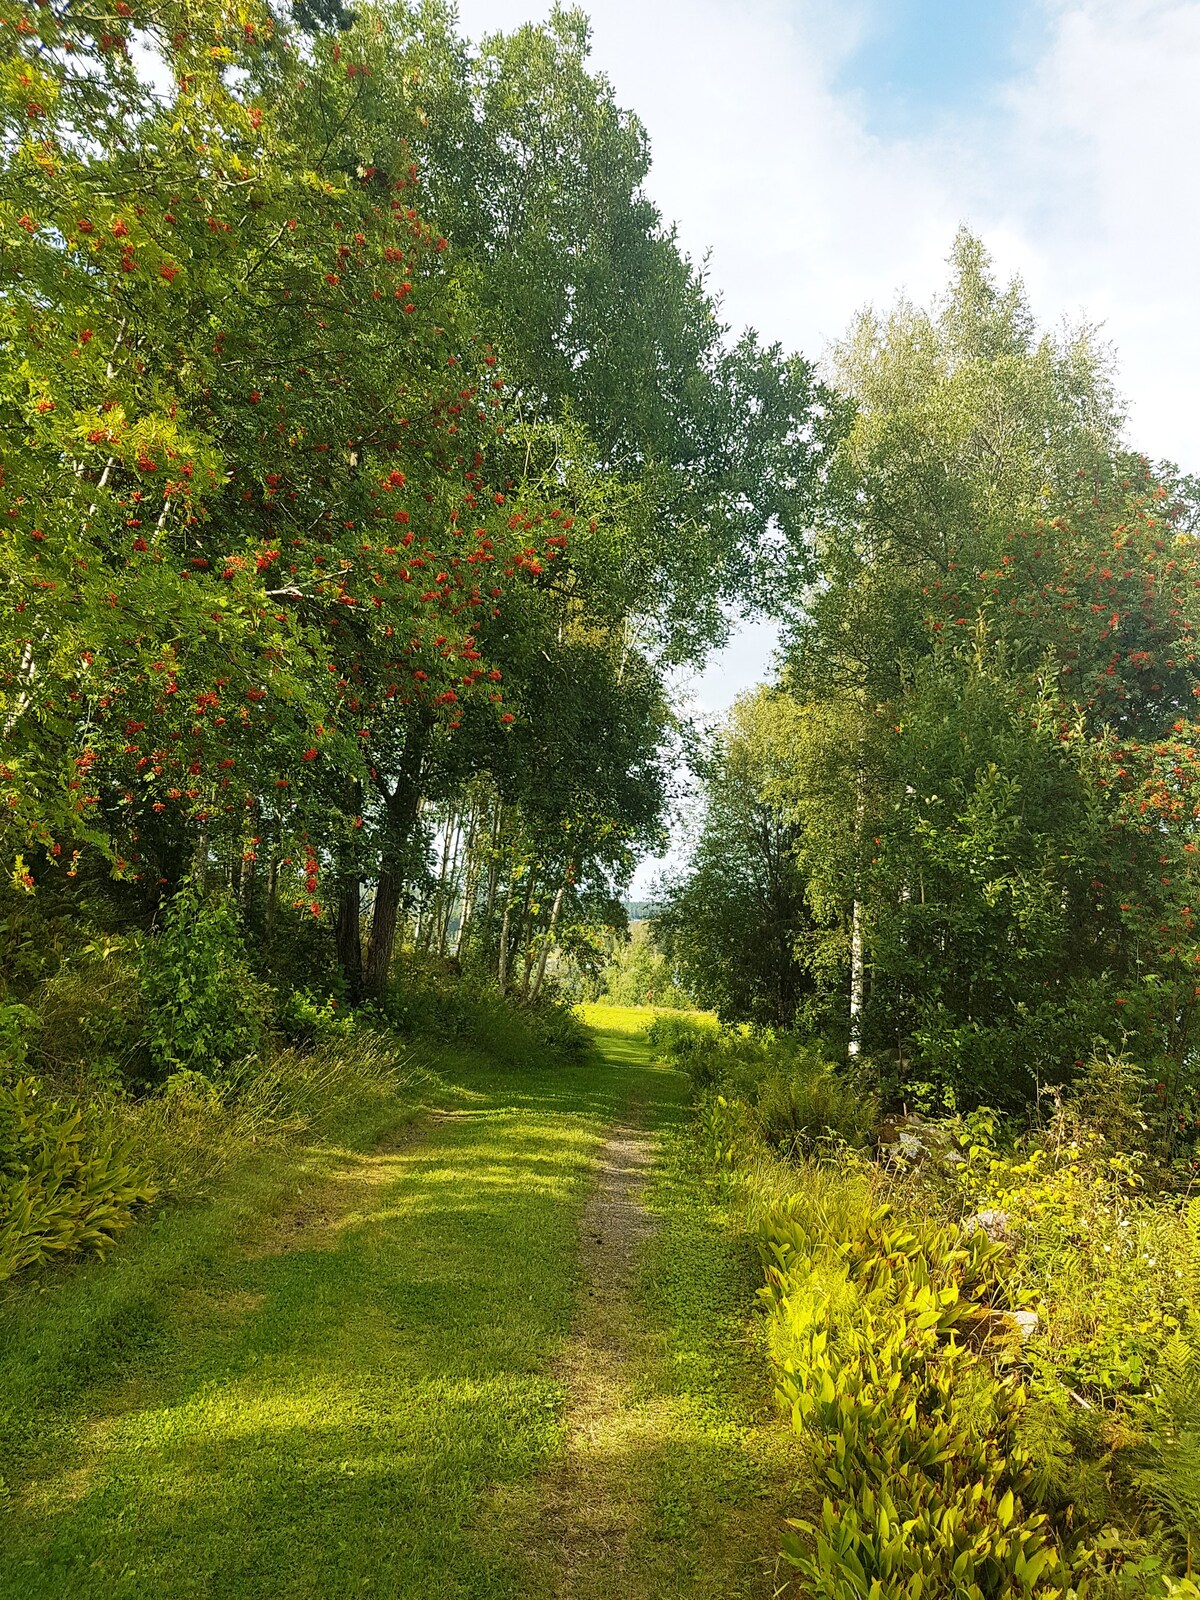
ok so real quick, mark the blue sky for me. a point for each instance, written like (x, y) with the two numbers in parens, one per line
(825, 151)
(921, 61)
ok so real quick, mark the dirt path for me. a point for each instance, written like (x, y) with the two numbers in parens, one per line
(589, 1512)
(660, 1492)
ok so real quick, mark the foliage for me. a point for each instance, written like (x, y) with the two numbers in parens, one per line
(203, 1013)
(191, 1135)
(733, 921)
(949, 1441)
(66, 1183)
(681, 1037)
(769, 1091)
(639, 974)
(92, 1029)
(17, 1022)
(342, 493)
(806, 1109)
(425, 1004)
(309, 1019)
(983, 769)
(917, 1444)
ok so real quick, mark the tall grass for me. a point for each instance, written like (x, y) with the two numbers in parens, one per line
(189, 1136)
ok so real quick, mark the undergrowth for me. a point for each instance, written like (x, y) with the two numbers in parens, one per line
(987, 1337)
(139, 1068)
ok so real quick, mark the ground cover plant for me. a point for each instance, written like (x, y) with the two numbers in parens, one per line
(987, 1338)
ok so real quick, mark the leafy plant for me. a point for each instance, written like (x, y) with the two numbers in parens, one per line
(915, 1440)
(66, 1181)
(203, 1008)
(17, 1023)
(800, 1111)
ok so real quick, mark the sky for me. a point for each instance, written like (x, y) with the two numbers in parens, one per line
(823, 153)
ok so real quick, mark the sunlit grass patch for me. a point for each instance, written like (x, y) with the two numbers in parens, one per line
(305, 1385)
(635, 1019)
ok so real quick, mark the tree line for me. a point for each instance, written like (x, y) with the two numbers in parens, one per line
(962, 823)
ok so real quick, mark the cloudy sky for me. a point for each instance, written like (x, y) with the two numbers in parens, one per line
(824, 152)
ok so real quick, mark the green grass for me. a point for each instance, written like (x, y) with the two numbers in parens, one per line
(305, 1386)
(314, 1383)
(634, 1020)
(727, 1471)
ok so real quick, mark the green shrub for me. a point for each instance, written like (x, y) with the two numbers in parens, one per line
(890, 1334)
(802, 1111)
(91, 1022)
(1166, 1471)
(204, 1010)
(797, 1102)
(66, 1182)
(685, 1042)
(725, 1130)
(424, 1003)
(306, 1018)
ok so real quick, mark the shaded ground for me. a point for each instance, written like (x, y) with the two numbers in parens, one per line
(355, 1373)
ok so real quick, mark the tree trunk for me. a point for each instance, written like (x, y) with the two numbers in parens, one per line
(348, 932)
(402, 805)
(272, 896)
(447, 882)
(505, 935)
(526, 936)
(383, 927)
(494, 865)
(544, 952)
(856, 925)
(471, 874)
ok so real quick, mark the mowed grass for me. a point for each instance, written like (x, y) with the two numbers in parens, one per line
(307, 1386)
(635, 1019)
(706, 1459)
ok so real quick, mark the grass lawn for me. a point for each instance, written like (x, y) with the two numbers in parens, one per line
(635, 1019)
(309, 1385)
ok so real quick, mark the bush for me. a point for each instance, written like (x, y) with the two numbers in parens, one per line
(190, 1133)
(797, 1103)
(801, 1111)
(424, 1003)
(91, 1025)
(203, 1008)
(638, 974)
(66, 1181)
(697, 1046)
(958, 1454)
(306, 1018)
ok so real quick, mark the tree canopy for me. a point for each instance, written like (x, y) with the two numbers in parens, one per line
(354, 458)
(989, 774)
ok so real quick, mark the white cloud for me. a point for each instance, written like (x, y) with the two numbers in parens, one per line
(1085, 179)
(1102, 197)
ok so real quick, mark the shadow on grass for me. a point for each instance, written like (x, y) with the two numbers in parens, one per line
(306, 1388)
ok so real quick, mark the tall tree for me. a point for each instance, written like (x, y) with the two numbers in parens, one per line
(735, 920)
(1004, 592)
